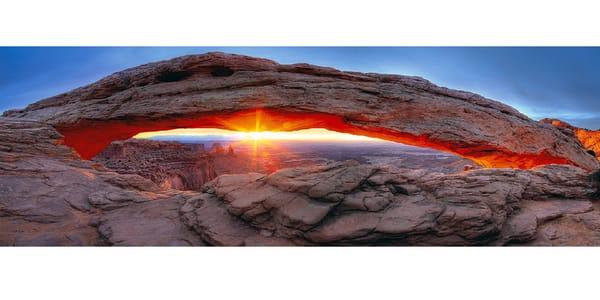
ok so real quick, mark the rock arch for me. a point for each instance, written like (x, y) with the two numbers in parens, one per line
(245, 93)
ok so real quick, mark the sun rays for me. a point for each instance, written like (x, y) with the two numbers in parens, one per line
(263, 134)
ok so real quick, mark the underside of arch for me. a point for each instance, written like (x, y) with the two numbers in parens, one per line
(88, 138)
(237, 92)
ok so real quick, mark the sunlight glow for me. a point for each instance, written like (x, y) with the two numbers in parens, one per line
(313, 134)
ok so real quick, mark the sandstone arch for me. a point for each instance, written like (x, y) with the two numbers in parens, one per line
(233, 92)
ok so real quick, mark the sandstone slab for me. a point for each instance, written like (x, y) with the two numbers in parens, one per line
(486, 206)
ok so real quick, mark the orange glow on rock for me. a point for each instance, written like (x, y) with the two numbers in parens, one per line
(88, 138)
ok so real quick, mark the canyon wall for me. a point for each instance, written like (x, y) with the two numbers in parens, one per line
(169, 164)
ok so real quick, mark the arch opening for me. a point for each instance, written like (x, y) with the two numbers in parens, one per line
(187, 158)
(235, 152)
(90, 137)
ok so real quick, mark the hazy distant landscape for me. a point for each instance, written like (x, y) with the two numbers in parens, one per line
(268, 156)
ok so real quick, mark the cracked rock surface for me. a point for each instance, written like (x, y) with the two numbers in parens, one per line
(349, 204)
(49, 196)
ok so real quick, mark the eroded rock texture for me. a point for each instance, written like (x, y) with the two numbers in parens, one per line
(233, 92)
(50, 197)
(590, 139)
(349, 203)
(169, 164)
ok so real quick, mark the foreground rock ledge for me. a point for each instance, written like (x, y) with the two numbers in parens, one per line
(232, 91)
(48, 196)
(353, 204)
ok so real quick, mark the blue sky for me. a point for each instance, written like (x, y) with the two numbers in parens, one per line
(540, 82)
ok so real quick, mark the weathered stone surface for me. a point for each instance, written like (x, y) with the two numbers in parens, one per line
(218, 227)
(49, 197)
(169, 164)
(590, 139)
(233, 91)
(151, 223)
(570, 230)
(497, 206)
(526, 223)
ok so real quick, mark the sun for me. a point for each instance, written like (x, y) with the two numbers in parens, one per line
(313, 134)
(266, 136)
(261, 126)
(258, 138)
(257, 135)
